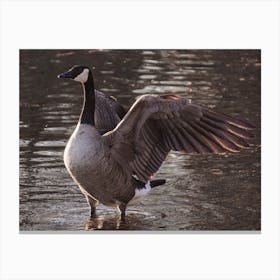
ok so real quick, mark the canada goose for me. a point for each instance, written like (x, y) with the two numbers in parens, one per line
(117, 167)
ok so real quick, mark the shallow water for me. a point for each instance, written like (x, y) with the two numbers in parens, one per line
(217, 192)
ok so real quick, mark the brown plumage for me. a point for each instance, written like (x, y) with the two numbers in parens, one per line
(108, 112)
(157, 124)
(105, 153)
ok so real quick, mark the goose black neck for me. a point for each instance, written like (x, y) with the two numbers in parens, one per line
(87, 115)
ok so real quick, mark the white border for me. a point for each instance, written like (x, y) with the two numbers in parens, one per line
(153, 24)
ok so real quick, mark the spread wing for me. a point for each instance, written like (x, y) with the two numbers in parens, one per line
(108, 112)
(154, 125)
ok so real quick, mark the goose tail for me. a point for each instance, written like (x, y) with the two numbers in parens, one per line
(143, 188)
(158, 182)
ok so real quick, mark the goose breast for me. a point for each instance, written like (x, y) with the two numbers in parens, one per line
(90, 165)
(82, 150)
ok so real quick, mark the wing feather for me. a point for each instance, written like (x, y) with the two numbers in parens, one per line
(155, 125)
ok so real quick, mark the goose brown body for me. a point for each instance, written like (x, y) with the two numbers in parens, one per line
(106, 153)
(89, 162)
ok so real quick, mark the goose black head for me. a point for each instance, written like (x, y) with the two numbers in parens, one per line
(77, 73)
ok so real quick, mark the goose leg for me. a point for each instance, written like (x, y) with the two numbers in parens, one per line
(92, 203)
(122, 208)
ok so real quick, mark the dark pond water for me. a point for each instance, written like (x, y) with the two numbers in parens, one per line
(219, 192)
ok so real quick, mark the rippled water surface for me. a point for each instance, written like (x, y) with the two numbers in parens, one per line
(218, 192)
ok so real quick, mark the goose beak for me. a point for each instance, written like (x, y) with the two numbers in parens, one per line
(65, 75)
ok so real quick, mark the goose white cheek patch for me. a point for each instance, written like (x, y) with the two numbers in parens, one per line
(83, 76)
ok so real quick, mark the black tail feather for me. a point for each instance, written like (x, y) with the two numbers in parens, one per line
(141, 185)
(158, 182)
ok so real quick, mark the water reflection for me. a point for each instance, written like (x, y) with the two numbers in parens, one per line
(134, 221)
(202, 193)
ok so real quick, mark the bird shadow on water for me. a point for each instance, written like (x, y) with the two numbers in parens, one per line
(113, 222)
